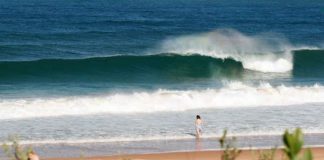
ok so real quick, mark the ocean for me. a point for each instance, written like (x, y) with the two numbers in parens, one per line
(110, 71)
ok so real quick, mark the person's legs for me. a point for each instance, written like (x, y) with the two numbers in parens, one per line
(197, 132)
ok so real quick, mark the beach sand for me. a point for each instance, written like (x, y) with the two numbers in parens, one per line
(318, 154)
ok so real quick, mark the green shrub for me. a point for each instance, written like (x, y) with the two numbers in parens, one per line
(267, 154)
(293, 145)
(15, 151)
(230, 151)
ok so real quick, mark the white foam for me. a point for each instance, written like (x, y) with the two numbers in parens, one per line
(264, 52)
(235, 94)
(159, 137)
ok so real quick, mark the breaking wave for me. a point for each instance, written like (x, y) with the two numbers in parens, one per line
(265, 52)
(152, 68)
(234, 94)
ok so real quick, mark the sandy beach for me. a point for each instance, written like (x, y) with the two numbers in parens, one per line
(318, 154)
(183, 149)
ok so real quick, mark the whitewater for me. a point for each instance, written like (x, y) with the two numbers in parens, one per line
(234, 94)
(264, 52)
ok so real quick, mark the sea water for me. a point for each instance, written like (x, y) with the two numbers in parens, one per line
(107, 71)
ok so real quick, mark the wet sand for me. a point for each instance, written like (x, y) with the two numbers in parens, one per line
(318, 154)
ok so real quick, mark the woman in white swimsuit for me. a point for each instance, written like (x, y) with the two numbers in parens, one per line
(198, 124)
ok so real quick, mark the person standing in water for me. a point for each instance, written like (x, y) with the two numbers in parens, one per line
(198, 124)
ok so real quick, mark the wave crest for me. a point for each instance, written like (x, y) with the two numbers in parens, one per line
(266, 52)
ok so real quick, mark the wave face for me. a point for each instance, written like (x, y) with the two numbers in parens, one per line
(309, 63)
(120, 68)
(265, 52)
(235, 94)
(149, 68)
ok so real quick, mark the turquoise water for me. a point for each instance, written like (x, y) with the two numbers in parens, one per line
(65, 61)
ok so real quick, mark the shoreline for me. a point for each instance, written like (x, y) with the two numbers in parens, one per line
(88, 141)
(247, 154)
(65, 151)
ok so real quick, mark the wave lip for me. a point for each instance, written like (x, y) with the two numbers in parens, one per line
(235, 94)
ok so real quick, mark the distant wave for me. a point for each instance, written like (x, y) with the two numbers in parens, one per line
(161, 67)
(235, 94)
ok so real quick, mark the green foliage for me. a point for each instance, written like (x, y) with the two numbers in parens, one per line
(267, 154)
(293, 145)
(6, 150)
(230, 151)
(15, 151)
(308, 155)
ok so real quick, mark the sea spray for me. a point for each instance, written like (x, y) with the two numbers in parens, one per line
(263, 52)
